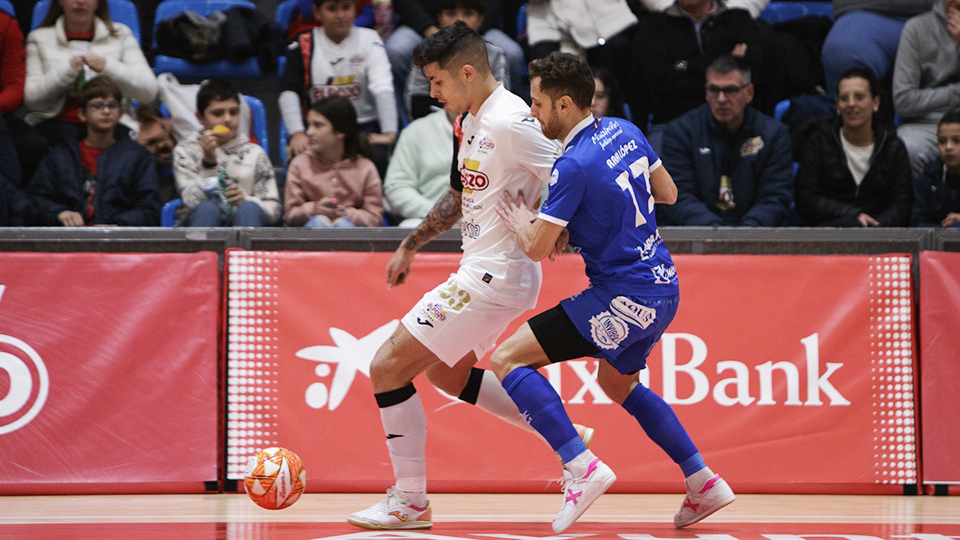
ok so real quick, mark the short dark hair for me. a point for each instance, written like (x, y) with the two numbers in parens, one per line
(453, 46)
(216, 90)
(950, 117)
(101, 87)
(862, 73)
(342, 116)
(565, 74)
(477, 5)
(728, 64)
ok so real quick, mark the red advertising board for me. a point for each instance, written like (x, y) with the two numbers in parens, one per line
(940, 368)
(792, 374)
(108, 371)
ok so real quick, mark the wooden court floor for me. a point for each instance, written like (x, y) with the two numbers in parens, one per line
(480, 517)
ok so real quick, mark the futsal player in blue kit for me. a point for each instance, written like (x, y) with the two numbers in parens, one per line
(602, 193)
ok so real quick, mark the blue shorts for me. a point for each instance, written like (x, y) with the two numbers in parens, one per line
(620, 329)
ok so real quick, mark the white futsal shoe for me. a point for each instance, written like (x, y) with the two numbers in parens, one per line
(700, 503)
(394, 512)
(580, 493)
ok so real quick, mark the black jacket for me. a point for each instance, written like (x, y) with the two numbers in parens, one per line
(126, 189)
(826, 193)
(934, 196)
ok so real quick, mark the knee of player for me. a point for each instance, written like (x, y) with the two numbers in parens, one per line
(446, 380)
(501, 361)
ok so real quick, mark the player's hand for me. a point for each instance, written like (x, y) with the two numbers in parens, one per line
(69, 218)
(95, 61)
(514, 212)
(298, 143)
(561, 244)
(209, 141)
(867, 221)
(399, 266)
(76, 64)
(952, 219)
(382, 138)
(330, 207)
(953, 24)
(235, 195)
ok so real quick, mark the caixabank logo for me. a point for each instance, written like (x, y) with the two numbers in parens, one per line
(28, 383)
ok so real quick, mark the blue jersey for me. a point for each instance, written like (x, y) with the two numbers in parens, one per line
(600, 191)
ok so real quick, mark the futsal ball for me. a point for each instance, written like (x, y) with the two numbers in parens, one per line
(274, 478)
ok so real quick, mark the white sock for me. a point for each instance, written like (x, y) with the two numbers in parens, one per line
(578, 465)
(496, 401)
(696, 480)
(408, 451)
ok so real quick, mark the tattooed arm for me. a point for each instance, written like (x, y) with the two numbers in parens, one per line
(444, 214)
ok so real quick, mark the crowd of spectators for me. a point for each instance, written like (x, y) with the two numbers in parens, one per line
(871, 137)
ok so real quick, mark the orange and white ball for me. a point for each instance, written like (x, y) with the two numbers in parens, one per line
(275, 478)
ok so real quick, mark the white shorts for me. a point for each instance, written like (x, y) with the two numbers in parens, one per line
(451, 322)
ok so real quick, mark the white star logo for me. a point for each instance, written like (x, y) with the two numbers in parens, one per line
(351, 355)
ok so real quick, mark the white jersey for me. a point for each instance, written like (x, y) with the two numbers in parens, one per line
(501, 149)
(357, 68)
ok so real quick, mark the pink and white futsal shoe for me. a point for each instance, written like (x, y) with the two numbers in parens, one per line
(700, 503)
(579, 493)
(394, 512)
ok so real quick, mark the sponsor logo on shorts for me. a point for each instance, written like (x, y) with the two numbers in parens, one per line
(664, 274)
(487, 278)
(608, 330)
(633, 312)
(425, 322)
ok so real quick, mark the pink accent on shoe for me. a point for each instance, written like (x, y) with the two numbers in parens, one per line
(593, 466)
(571, 496)
(690, 505)
(421, 508)
(709, 483)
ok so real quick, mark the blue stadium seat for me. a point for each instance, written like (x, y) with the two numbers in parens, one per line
(258, 121)
(121, 11)
(7, 7)
(168, 9)
(168, 213)
(284, 12)
(781, 109)
(284, 137)
(779, 12)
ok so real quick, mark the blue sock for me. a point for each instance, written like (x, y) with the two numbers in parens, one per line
(541, 406)
(664, 428)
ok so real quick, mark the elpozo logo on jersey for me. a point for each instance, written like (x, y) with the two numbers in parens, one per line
(471, 177)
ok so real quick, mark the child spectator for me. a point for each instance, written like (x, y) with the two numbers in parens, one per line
(854, 172)
(331, 184)
(339, 59)
(936, 201)
(75, 42)
(419, 171)
(223, 178)
(105, 178)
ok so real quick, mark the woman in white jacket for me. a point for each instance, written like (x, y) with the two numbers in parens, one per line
(75, 42)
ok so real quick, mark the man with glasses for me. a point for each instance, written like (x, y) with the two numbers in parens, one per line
(732, 164)
(105, 178)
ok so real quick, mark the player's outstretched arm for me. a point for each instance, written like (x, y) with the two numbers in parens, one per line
(538, 238)
(662, 187)
(444, 214)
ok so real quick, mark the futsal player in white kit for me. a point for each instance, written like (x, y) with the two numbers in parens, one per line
(499, 147)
